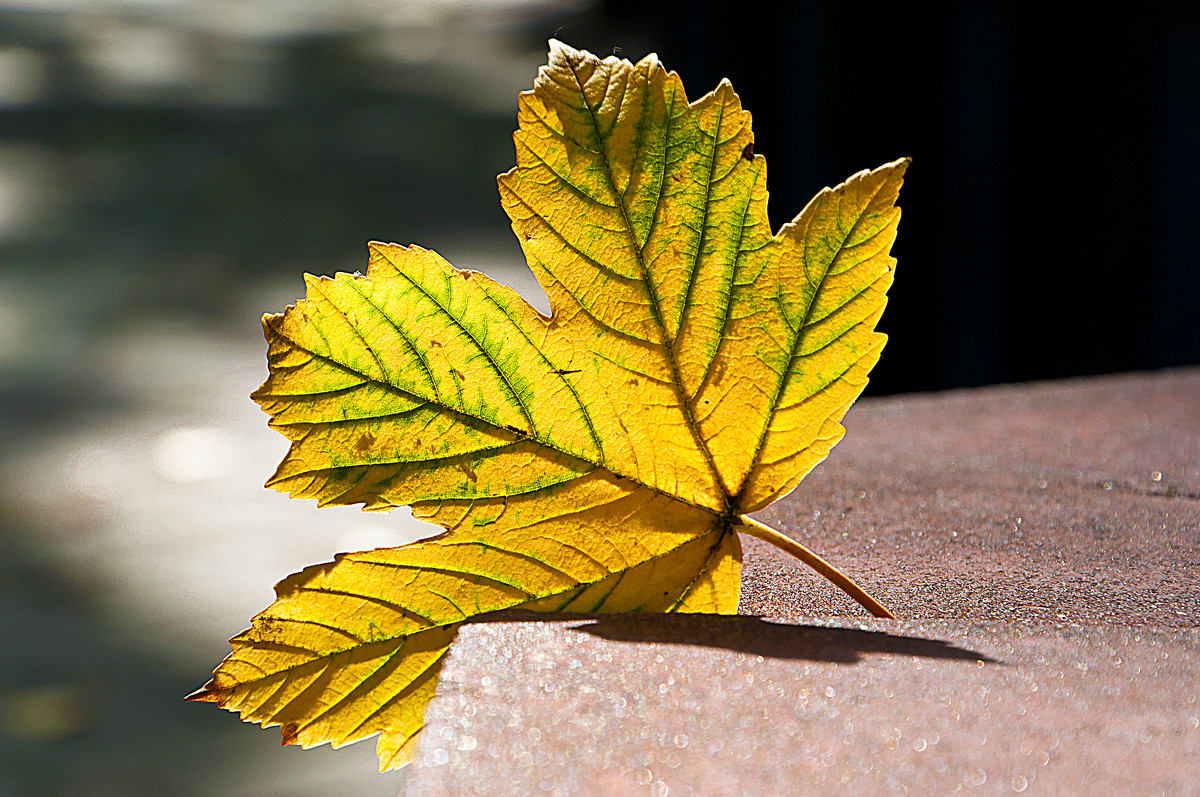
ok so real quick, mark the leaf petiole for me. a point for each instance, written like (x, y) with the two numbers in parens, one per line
(753, 528)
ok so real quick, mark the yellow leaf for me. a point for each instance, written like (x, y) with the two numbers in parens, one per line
(695, 368)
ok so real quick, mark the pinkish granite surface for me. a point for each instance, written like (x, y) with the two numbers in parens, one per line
(1041, 545)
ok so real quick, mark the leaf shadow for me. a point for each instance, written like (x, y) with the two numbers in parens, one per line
(755, 636)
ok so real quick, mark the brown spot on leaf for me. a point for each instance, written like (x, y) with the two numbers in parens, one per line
(290, 733)
(719, 371)
(748, 152)
(364, 443)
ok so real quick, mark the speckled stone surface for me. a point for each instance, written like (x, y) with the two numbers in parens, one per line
(1074, 501)
(1041, 545)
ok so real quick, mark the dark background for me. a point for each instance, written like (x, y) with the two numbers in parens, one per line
(168, 170)
(1051, 216)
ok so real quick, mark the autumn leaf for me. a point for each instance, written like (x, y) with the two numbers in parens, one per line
(603, 459)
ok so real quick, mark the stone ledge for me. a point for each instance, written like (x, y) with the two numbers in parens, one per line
(729, 706)
(1041, 544)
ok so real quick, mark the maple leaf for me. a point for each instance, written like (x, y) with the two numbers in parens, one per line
(603, 459)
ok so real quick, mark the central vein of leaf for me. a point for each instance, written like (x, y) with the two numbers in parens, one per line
(668, 343)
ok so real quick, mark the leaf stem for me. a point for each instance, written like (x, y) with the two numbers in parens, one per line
(753, 528)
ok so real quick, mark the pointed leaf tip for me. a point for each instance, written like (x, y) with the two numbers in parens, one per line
(560, 50)
(205, 694)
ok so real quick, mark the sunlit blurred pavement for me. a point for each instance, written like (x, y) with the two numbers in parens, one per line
(167, 172)
(135, 539)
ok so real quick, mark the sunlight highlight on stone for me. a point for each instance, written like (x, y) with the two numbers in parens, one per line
(190, 454)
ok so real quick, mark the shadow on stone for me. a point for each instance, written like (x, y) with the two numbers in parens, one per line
(751, 635)
(759, 637)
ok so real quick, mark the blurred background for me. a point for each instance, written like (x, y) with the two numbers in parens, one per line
(170, 168)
